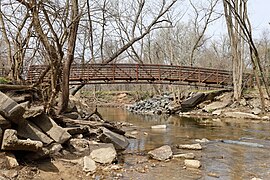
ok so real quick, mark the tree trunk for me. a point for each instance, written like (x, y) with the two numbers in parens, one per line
(70, 57)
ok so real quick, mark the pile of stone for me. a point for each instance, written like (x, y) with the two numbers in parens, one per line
(31, 134)
(163, 104)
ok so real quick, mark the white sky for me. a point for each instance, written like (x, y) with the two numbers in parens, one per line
(259, 14)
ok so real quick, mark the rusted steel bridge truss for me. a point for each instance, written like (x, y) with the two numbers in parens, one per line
(139, 74)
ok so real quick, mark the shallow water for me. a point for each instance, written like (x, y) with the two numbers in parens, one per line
(227, 161)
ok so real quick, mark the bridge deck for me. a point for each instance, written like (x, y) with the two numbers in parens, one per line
(138, 73)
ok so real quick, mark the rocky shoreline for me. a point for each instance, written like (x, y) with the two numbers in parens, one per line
(215, 104)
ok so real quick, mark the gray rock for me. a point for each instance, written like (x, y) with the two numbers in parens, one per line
(190, 146)
(163, 153)
(241, 115)
(11, 142)
(79, 145)
(11, 159)
(217, 112)
(55, 148)
(22, 98)
(31, 131)
(243, 102)
(186, 156)
(256, 111)
(77, 130)
(89, 165)
(10, 110)
(104, 155)
(216, 105)
(119, 141)
(57, 133)
(192, 163)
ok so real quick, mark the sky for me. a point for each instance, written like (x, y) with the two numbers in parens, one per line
(259, 14)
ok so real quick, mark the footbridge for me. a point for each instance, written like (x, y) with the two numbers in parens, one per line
(140, 74)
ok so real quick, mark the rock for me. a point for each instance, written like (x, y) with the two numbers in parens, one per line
(31, 131)
(256, 111)
(11, 159)
(104, 155)
(266, 118)
(57, 133)
(79, 145)
(192, 101)
(89, 165)
(11, 142)
(119, 141)
(1, 136)
(243, 102)
(10, 110)
(159, 126)
(186, 156)
(163, 153)
(77, 130)
(55, 148)
(192, 163)
(190, 146)
(173, 107)
(217, 112)
(216, 105)
(256, 178)
(33, 111)
(72, 115)
(211, 174)
(203, 140)
(241, 115)
(4, 124)
(22, 98)
(43, 153)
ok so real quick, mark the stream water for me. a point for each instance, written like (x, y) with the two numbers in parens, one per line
(226, 161)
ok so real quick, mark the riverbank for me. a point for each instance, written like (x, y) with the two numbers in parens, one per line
(227, 146)
(205, 104)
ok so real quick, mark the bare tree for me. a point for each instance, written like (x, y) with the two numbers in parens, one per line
(207, 18)
(237, 11)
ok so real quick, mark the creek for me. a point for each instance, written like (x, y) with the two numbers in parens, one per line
(226, 161)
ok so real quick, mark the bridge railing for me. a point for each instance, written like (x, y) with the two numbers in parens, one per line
(135, 73)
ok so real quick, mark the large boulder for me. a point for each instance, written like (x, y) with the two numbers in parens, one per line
(163, 153)
(30, 130)
(47, 125)
(120, 142)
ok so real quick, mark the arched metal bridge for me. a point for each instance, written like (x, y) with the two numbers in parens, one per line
(140, 74)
